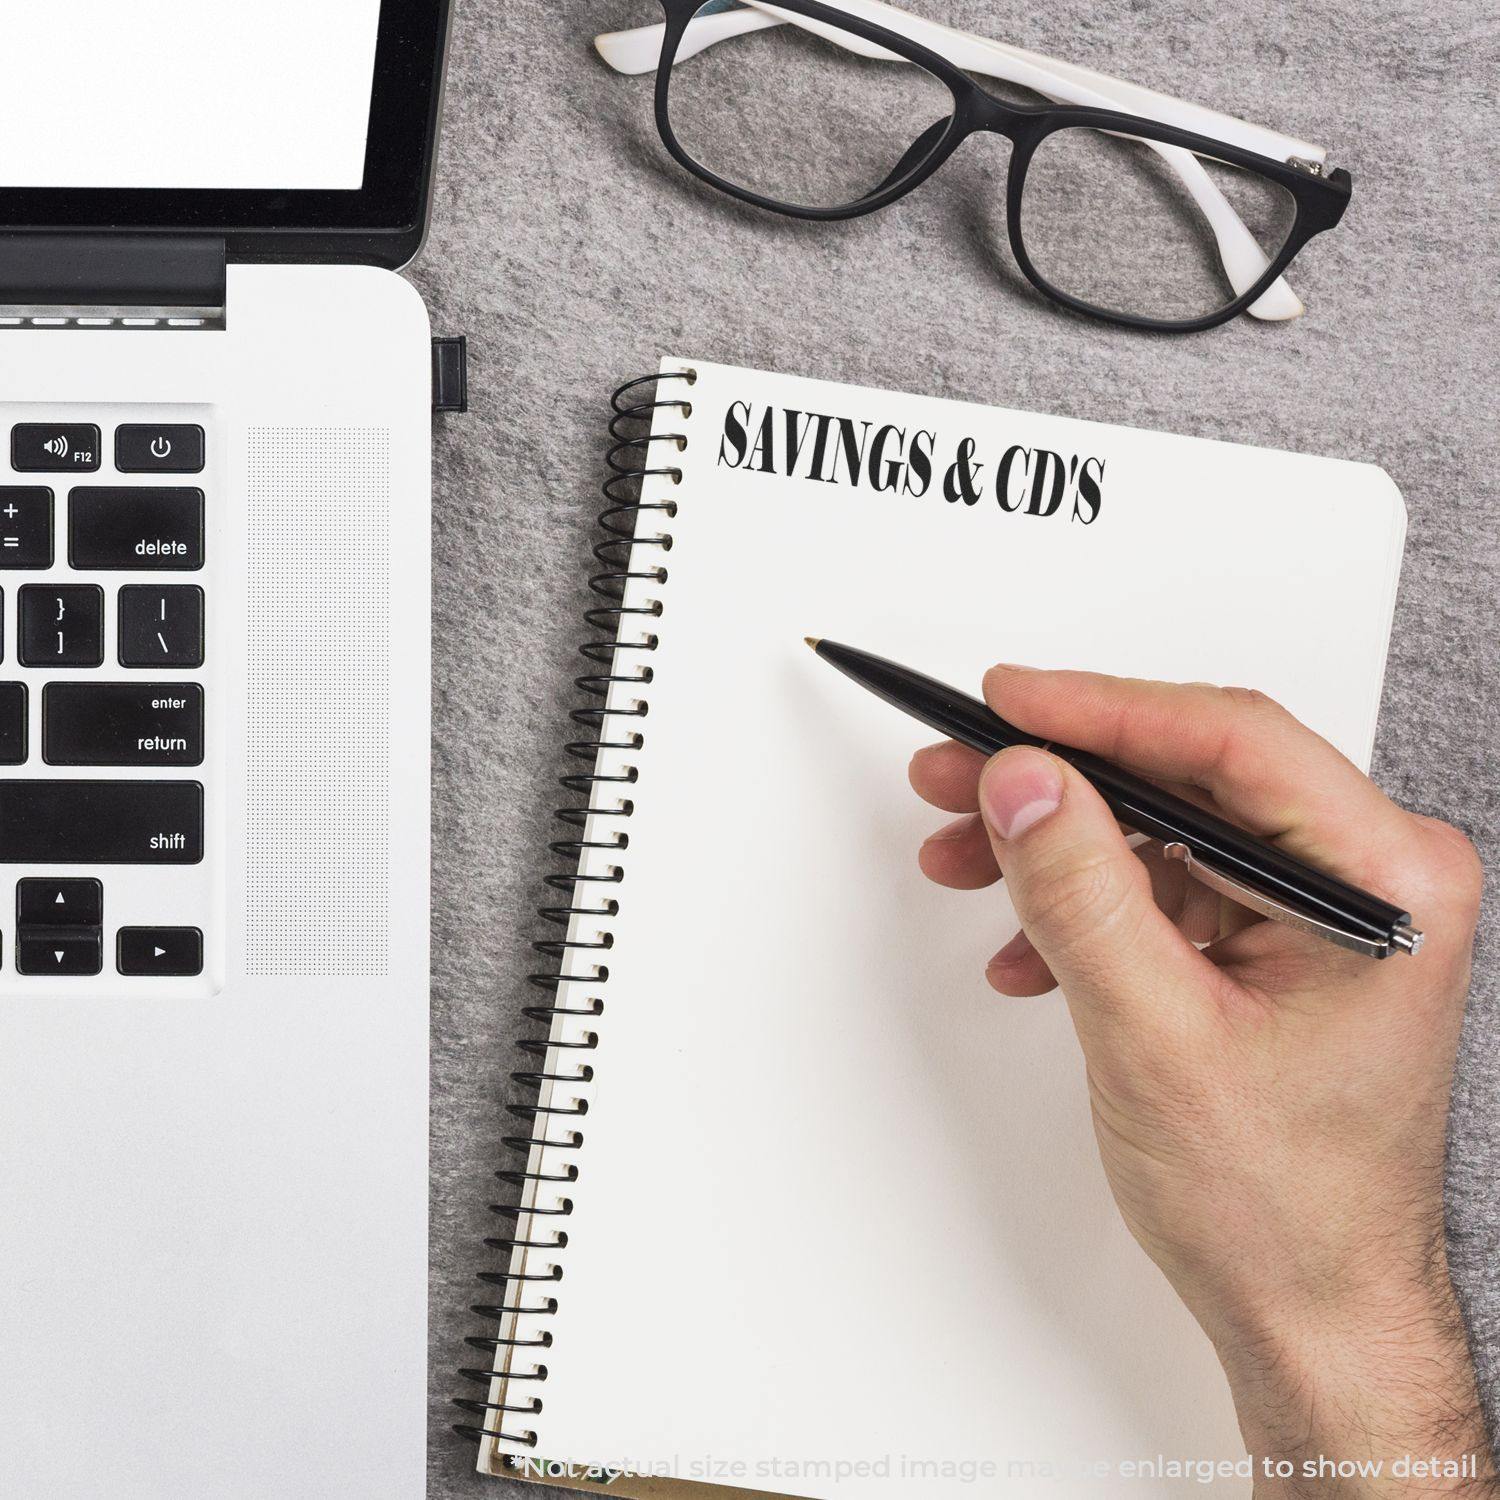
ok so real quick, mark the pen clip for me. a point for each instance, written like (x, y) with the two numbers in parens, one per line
(1268, 906)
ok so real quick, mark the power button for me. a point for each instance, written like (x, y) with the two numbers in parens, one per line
(149, 448)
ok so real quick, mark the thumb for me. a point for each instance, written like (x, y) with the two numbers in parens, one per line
(1083, 897)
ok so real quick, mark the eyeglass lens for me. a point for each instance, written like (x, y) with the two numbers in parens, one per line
(788, 115)
(1130, 226)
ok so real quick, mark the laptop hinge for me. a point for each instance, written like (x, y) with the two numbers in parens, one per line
(111, 280)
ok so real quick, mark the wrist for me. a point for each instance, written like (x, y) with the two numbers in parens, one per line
(1371, 1395)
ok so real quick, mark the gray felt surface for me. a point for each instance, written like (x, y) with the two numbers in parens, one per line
(574, 253)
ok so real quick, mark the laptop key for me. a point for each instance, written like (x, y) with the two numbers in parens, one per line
(69, 902)
(122, 724)
(59, 950)
(54, 447)
(139, 528)
(101, 822)
(159, 950)
(161, 625)
(61, 625)
(25, 526)
(158, 448)
(13, 723)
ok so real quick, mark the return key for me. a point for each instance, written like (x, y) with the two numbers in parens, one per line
(122, 724)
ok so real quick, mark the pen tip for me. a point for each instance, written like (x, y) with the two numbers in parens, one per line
(812, 641)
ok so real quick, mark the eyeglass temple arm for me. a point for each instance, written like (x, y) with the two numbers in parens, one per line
(638, 50)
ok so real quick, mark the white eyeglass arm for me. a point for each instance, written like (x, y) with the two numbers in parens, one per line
(638, 51)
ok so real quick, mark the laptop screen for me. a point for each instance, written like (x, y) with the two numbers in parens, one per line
(295, 129)
(187, 93)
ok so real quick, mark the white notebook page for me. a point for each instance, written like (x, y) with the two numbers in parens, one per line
(839, 1227)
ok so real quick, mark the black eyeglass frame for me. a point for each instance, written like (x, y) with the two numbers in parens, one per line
(1319, 201)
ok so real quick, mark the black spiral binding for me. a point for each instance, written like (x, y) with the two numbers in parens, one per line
(631, 463)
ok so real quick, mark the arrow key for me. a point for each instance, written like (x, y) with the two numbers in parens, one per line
(159, 951)
(58, 950)
(59, 903)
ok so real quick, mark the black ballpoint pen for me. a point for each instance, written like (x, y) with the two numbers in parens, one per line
(1235, 863)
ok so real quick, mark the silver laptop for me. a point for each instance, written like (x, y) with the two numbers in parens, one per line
(215, 409)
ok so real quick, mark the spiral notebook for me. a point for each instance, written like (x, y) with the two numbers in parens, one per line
(803, 1207)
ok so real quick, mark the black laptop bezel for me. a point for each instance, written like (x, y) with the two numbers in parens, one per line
(381, 223)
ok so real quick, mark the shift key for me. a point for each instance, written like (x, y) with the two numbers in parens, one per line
(101, 822)
(135, 528)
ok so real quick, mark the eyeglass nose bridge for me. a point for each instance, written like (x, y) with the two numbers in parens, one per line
(975, 112)
(980, 112)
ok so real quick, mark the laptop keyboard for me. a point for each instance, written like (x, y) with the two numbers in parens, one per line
(107, 686)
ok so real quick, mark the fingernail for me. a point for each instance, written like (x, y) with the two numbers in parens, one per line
(1013, 952)
(954, 830)
(924, 751)
(1019, 788)
(994, 677)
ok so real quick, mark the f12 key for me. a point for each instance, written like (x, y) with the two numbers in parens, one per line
(54, 447)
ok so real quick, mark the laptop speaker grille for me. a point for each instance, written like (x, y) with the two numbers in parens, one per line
(318, 743)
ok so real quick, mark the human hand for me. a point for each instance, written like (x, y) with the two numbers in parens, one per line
(1270, 1110)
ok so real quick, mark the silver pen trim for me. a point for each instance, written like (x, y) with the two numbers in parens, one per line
(1404, 937)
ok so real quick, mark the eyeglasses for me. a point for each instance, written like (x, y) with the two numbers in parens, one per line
(1121, 203)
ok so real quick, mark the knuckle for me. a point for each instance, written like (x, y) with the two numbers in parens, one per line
(1440, 862)
(1463, 871)
(1254, 700)
(1242, 743)
(1070, 894)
